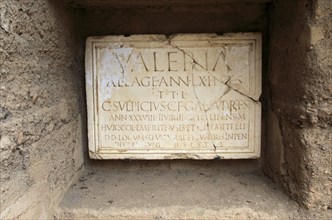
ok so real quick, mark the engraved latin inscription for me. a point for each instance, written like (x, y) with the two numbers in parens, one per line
(190, 96)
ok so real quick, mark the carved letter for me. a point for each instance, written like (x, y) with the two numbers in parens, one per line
(171, 61)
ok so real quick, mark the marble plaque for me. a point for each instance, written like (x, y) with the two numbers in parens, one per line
(181, 97)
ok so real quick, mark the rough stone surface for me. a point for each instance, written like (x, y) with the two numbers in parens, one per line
(173, 19)
(212, 190)
(186, 96)
(153, 3)
(42, 77)
(40, 95)
(301, 100)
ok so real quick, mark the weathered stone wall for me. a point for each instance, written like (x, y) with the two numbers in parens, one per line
(299, 120)
(42, 98)
(41, 105)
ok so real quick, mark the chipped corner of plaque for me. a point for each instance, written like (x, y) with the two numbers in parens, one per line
(254, 97)
(94, 155)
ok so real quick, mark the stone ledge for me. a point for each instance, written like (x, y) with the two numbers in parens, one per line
(200, 193)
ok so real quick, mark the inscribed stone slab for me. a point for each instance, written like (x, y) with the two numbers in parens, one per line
(180, 97)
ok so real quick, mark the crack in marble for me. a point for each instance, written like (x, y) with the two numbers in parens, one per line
(228, 87)
(195, 93)
(228, 68)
